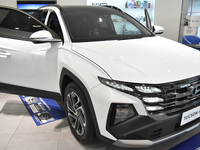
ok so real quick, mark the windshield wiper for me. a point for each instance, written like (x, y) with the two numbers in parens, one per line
(133, 37)
(126, 38)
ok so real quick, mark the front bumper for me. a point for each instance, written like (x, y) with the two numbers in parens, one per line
(142, 130)
(148, 143)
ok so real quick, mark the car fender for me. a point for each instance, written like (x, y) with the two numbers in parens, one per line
(74, 67)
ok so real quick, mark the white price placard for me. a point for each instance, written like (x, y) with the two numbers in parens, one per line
(190, 30)
(194, 21)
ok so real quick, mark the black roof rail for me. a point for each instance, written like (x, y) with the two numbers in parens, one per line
(113, 7)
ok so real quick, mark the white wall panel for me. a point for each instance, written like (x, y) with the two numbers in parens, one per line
(10, 3)
(72, 2)
(167, 14)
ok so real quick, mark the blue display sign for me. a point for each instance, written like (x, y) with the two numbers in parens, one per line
(43, 110)
(30, 6)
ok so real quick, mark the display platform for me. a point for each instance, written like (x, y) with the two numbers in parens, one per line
(42, 110)
(191, 144)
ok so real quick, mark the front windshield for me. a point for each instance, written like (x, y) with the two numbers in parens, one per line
(97, 24)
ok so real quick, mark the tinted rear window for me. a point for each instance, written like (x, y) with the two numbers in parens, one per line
(17, 24)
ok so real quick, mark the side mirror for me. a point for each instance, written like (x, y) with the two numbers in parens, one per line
(155, 29)
(158, 29)
(43, 36)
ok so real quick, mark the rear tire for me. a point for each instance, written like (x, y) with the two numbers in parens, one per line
(78, 114)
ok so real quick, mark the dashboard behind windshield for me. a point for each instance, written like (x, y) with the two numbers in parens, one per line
(97, 24)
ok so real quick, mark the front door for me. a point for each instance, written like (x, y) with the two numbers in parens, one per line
(22, 62)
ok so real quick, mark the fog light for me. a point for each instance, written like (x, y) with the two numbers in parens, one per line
(154, 108)
(152, 99)
(123, 112)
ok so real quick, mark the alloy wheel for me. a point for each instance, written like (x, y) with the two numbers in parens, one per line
(76, 113)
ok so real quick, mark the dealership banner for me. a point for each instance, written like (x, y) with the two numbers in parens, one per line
(42, 110)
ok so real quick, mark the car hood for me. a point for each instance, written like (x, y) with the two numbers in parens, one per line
(147, 60)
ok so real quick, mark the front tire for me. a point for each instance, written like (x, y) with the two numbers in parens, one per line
(78, 114)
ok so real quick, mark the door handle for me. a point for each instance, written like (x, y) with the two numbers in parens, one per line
(4, 54)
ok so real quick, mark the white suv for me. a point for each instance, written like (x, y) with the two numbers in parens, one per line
(115, 78)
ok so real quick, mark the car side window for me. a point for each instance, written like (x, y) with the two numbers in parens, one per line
(53, 24)
(18, 25)
(123, 27)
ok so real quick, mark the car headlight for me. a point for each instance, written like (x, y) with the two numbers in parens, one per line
(128, 87)
(152, 99)
(116, 84)
(154, 108)
(148, 89)
(148, 94)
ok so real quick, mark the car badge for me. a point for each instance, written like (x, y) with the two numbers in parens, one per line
(195, 90)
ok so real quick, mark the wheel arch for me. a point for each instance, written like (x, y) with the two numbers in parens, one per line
(65, 78)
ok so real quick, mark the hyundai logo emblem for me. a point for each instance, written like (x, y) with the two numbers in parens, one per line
(195, 90)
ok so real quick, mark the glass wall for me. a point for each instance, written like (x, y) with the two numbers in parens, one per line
(190, 18)
(135, 8)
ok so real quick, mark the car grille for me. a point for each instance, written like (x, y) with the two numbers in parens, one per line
(178, 96)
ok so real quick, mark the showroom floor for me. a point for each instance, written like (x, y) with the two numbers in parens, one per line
(18, 131)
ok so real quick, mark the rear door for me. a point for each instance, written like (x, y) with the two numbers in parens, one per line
(22, 62)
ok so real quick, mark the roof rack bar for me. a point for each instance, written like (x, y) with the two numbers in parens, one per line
(113, 7)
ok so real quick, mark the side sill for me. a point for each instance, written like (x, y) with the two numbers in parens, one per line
(13, 89)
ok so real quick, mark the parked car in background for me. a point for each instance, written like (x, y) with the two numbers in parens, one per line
(115, 77)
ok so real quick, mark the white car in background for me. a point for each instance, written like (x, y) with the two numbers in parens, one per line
(115, 78)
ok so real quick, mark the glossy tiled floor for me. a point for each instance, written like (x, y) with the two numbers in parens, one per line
(18, 131)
